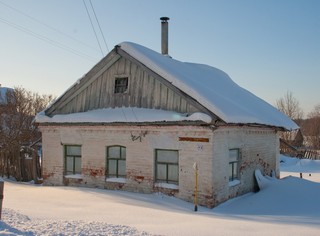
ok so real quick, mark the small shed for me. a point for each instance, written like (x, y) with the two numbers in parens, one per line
(140, 120)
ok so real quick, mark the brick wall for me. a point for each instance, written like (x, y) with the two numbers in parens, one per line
(258, 146)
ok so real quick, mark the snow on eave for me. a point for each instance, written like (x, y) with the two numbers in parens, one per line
(278, 128)
(121, 115)
(212, 88)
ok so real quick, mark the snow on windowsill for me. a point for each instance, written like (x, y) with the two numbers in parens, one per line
(76, 176)
(166, 185)
(234, 182)
(116, 180)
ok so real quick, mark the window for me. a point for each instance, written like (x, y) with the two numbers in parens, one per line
(121, 85)
(167, 166)
(116, 161)
(72, 161)
(234, 156)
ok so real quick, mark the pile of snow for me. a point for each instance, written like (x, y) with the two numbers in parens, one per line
(308, 169)
(59, 227)
(122, 114)
(290, 200)
(293, 164)
(263, 181)
(289, 206)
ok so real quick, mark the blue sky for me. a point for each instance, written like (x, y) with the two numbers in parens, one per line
(268, 47)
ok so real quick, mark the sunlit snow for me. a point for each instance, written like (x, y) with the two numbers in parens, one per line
(212, 88)
(289, 206)
(122, 114)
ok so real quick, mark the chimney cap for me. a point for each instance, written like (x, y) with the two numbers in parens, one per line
(164, 18)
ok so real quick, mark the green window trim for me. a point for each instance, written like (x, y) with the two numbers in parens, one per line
(72, 159)
(167, 166)
(116, 161)
(234, 160)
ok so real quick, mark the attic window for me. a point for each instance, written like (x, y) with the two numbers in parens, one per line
(121, 85)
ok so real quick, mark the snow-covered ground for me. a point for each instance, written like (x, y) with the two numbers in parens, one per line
(289, 206)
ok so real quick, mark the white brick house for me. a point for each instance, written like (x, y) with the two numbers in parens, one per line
(139, 120)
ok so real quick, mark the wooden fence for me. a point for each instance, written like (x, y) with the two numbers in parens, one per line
(311, 154)
(289, 150)
(23, 165)
(30, 165)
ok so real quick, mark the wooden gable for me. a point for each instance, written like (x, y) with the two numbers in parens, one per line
(146, 89)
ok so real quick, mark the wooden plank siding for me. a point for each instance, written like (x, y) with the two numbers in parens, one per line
(191, 104)
(59, 106)
(146, 89)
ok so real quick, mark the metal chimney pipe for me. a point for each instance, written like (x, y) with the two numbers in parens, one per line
(164, 35)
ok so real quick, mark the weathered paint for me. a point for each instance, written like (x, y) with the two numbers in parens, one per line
(259, 149)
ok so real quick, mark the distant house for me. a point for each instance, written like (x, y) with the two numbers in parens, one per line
(140, 120)
(3, 94)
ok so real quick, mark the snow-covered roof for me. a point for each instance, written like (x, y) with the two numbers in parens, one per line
(212, 88)
(209, 86)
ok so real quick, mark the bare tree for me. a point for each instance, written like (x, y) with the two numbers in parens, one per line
(315, 112)
(313, 128)
(17, 128)
(289, 105)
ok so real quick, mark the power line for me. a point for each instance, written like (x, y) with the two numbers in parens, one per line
(46, 25)
(85, 5)
(46, 39)
(105, 43)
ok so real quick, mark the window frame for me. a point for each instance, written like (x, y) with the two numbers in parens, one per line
(119, 87)
(233, 165)
(167, 164)
(74, 157)
(117, 175)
